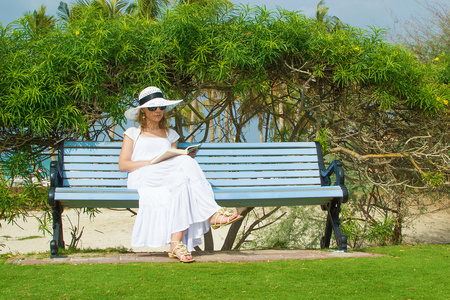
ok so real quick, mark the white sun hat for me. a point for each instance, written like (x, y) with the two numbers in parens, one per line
(150, 97)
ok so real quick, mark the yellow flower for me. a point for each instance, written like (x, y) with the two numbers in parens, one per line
(77, 32)
(436, 59)
(444, 101)
(357, 48)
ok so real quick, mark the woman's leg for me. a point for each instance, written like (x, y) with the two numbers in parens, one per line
(178, 249)
(223, 218)
(176, 237)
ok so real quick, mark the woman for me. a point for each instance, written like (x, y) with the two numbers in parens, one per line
(176, 203)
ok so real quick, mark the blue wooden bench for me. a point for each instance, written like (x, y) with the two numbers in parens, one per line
(86, 174)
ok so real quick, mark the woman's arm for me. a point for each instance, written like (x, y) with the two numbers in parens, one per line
(125, 163)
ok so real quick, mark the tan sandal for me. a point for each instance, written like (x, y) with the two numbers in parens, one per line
(182, 251)
(224, 213)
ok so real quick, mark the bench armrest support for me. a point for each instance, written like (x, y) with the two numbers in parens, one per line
(335, 168)
(55, 176)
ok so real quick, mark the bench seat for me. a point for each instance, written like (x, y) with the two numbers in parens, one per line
(229, 197)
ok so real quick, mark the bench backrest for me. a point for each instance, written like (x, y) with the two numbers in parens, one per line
(226, 165)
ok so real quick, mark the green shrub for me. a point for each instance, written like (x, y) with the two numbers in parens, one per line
(299, 227)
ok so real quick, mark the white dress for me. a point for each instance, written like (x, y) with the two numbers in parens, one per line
(174, 195)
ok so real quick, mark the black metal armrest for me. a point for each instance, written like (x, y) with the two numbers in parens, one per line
(53, 179)
(336, 168)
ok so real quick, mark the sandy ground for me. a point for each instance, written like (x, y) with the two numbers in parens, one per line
(109, 229)
(112, 229)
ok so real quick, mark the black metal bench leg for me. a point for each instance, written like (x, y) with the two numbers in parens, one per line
(333, 224)
(325, 241)
(209, 241)
(58, 241)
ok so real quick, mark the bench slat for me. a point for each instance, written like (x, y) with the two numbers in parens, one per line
(106, 190)
(283, 145)
(214, 182)
(259, 167)
(263, 174)
(232, 193)
(75, 144)
(93, 190)
(256, 152)
(288, 193)
(223, 203)
(254, 159)
(209, 175)
(201, 152)
(91, 159)
(264, 182)
(94, 175)
(90, 166)
(205, 167)
(91, 151)
(204, 159)
(74, 197)
(95, 182)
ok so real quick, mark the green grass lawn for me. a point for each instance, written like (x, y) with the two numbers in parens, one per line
(406, 272)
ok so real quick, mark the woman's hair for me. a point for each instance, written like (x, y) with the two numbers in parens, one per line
(163, 124)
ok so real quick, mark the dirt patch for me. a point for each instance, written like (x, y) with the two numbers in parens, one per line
(109, 229)
(429, 228)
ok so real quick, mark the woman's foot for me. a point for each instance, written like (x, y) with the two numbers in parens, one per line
(223, 218)
(179, 251)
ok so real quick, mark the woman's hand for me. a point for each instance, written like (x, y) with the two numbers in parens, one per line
(193, 154)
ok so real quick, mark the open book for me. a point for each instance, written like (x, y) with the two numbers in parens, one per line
(171, 152)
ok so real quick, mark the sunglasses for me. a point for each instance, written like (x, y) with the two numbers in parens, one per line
(154, 108)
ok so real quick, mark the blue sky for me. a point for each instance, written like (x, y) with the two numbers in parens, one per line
(358, 13)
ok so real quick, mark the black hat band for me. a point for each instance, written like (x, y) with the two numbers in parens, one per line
(150, 97)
